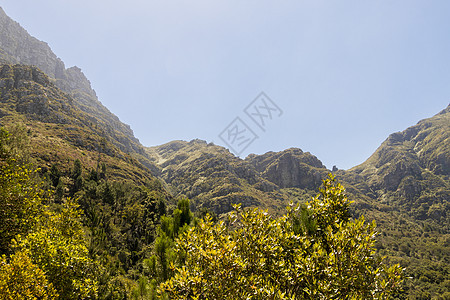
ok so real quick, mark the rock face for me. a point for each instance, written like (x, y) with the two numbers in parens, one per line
(18, 47)
(58, 130)
(214, 178)
(290, 168)
(412, 168)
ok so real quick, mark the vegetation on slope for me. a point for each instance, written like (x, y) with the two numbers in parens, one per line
(120, 201)
(313, 252)
(98, 248)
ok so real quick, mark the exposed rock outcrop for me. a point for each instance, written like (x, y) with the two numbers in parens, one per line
(19, 47)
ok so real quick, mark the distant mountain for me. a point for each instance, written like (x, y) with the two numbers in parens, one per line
(211, 176)
(214, 178)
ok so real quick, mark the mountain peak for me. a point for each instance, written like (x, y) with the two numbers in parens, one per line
(17, 46)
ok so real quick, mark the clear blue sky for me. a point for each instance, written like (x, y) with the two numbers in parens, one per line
(345, 73)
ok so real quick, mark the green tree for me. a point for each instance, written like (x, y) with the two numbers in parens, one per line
(20, 279)
(55, 175)
(170, 226)
(57, 246)
(76, 177)
(315, 252)
(20, 193)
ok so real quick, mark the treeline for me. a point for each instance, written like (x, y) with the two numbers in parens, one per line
(77, 234)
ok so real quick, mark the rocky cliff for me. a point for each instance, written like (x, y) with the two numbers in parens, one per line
(58, 130)
(19, 47)
(291, 168)
(410, 170)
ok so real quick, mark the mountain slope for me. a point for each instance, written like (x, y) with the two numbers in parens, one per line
(57, 128)
(212, 177)
(121, 201)
(411, 170)
(18, 47)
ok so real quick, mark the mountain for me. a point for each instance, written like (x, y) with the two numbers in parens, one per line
(57, 128)
(80, 150)
(411, 169)
(214, 179)
(18, 47)
(125, 187)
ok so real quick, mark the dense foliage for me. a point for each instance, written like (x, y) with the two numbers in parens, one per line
(92, 247)
(312, 252)
(21, 279)
(45, 244)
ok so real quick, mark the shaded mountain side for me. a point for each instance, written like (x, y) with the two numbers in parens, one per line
(18, 47)
(411, 170)
(58, 129)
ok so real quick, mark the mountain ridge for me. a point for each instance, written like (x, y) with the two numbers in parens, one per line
(17, 46)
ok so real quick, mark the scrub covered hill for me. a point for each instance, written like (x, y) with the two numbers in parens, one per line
(214, 179)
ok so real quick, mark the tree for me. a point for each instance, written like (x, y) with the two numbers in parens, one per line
(313, 252)
(76, 177)
(55, 175)
(170, 227)
(20, 279)
(20, 193)
(58, 247)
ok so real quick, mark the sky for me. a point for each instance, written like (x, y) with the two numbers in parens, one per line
(337, 77)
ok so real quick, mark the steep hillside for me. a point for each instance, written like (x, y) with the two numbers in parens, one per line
(407, 183)
(58, 129)
(411, 170)
(18, 47)
(121, 201)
